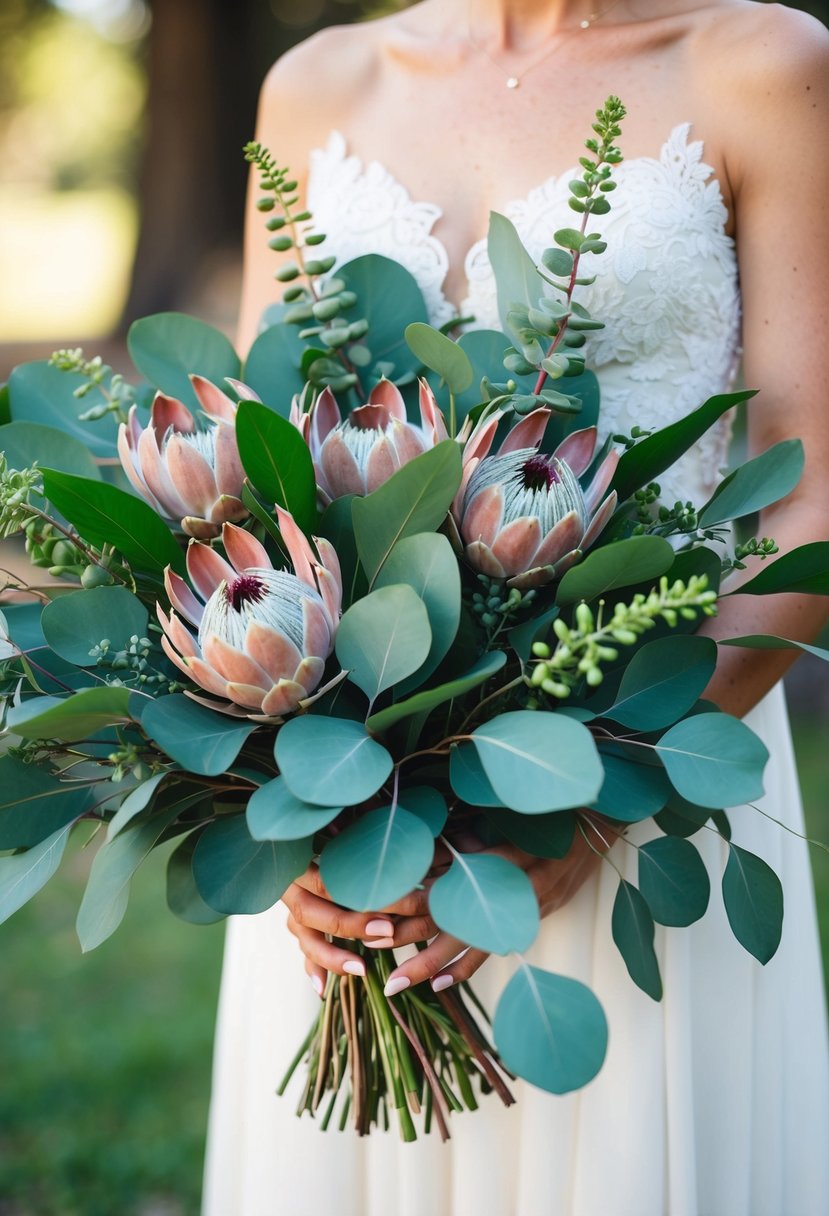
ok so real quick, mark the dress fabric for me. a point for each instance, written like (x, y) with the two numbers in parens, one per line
(714, 1102)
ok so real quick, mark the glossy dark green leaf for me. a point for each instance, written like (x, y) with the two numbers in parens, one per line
(536, 629)
(74, 624)
(45, 395)
(34, 804)
(673, 880)
(550, 1030)
(650, 457)
(631, 792)
(624, 563)
(662, 681)
(486, 902)
(168, 347)
(680, 817)
(753, 898)
(542, 835)
(236, 874)
(274, 813)
(23, 874)
(633, 930)
(424, 702)
(756, 484)
(278, 462)
(330, 761)
(538, 762)
(198, 739)
(383, 638)
(804, 570)
(427, 563)
(440, 354)
(70, 718)
(765, 641)
(516, 277)
(468, 779)
(183, 898)
(714, 760)
(416, 499)
(378, 859)
(105, 515)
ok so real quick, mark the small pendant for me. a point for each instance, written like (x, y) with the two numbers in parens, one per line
(585, 25)
(513, 82)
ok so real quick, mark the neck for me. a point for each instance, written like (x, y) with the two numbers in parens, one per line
(522, 24)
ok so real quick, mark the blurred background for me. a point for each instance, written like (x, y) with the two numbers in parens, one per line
(121, 193)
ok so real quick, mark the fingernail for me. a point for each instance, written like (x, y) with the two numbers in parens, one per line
(396, 985)
(355, 968)
(380, 943)
(317, 985)
(442, 981)
(380, 928)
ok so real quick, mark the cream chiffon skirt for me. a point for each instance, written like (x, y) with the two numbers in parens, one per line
(714, 1102)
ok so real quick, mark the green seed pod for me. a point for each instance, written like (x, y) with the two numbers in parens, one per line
(325, 310)
(594, 677)
(359, 355)
(561, 630)
(299, 314)
(584, 618)
(319, 265)
(293, 293)
(265, 204)
(96, 576)
(540, 673)
(335, 337)
(357, 330)
(541, 650)
(348, 299)
(275, 223)
(63, 554)
(281, 243)
(315, 238)
(555, 689)
(287, 274)
(626, 636)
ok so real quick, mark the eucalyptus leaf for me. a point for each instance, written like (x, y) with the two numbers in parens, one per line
(378, 859)
(383, 638)
(765, 641)
(274, 813)
(74, 624)
(624, 563)
(198, 739)
(415, 499)
(662, 681)
(278, 462)
(428, 804)
(673, 880)
(70, 718)
(633, 931)
(389, 298)
(169, 346)
(536, 629)
(441, 355)
(631, 792)
(486, 902)
(542, 835)
(135, 802)
(423, 702)
(23, 874)
(804, 570)
(753, 898)
(330, 761)
(714, 760)
(272, 366)
(236, 874)
(516, 277)
(42, 394)
(550, 1030)
(468, 779)
(34, 804)
(183, 898)
(538, 762)
(755, 484)
(28, 443)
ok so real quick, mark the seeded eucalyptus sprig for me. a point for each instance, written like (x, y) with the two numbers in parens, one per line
(316, 306)
(548, 337)
(116, 394)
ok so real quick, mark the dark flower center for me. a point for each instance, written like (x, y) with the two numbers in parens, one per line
(246, 589)
(539, 473)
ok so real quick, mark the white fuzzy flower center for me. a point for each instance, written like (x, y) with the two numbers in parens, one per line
(272, 597)
(534, 486)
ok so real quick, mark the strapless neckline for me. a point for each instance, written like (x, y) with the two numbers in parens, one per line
(371, 179)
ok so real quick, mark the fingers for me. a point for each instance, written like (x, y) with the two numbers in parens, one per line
(411, 929)
(416, 903)
(323, 955)
(424, 964)
(458, 971)
(318, 977)
(313, 912)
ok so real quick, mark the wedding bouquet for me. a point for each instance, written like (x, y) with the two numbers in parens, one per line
(421, 605)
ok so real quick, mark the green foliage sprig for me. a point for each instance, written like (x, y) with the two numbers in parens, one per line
(117, 395)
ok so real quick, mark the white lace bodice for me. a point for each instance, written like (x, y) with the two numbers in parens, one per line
(666, 289)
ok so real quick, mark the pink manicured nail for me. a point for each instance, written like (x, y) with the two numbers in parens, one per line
(317, 985)
(355, 968)
(442, 981)
(380, 928)
(396, 985)
(380, 943)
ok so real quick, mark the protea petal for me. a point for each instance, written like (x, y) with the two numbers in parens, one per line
(325, 416)
(481, 557)
(182, 598)
(564, 536)
(207, 569)
(604, 475)
(483, 517)
(272, 651)
(249, 695)
(243, 391)
(216, 404)
(577, 449)
(599, 520)
(316, 629)
(181, 638)
(309, 673)
(407, 440)
(131, 466)
(539, 576)
(527, 433)
(155, 474)
(191, 475)
(340, 473)
(206, 677)
(382, 463)
(299, 550)
(227, 509)
(199, 529)
(181, 663)
(431, 419)
(169, 413)
(389, 396)
(228, 472)
(232, 664)
(516, 544)
(243, 550)
(283, 698)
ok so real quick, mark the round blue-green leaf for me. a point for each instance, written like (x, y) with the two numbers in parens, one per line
(538, 762)
(389, 298)
(74, 624)
(383, 638)
(200, 740)
(236, 874)
(28, 442)
(169, 346)
(624, 563)
(377, 860)
(662, 682)
(631, 792)
(487, 902)
(550, 1030)
(272, 366)
(274, 813)
(441, 355)
(428, 804)
(43, 394)
(673, 880)
(330, 761)
(542, 835)
(468, 779)
(183, 898)
(714, 760)
(753, 898)
(633, 929)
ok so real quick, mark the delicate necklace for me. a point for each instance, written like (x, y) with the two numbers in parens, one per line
(512, 82)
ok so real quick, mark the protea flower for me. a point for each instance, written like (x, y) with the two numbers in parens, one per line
(262, 635)
(191, 476)
(357, 454)
(522, 514)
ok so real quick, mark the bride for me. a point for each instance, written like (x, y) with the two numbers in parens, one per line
(405, 132)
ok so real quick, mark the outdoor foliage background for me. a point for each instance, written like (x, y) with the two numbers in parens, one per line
(105, 1058)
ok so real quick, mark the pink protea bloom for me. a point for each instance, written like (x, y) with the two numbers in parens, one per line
(261, 635)
(357, 454)
(191, 476)
(523, 516)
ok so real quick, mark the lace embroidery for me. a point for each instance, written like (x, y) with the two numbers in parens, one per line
(666, 287)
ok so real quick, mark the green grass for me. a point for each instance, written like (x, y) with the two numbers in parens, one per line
(105, 1057)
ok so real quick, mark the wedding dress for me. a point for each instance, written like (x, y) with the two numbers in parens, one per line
(714, 1102)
